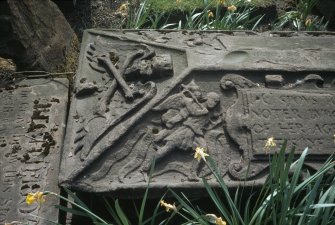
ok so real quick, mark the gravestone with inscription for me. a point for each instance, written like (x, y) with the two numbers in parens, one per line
(148, 95)
(32, 115)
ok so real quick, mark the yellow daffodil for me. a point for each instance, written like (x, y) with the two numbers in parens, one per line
(221, 2)
(38, 197)
(200, 154)
(308, 22)
(123, 7)
(178, 1)
(270, 143)
(168, 207)
(231, 8)
(210, 14)
(30, 199)
(219, 221)
(214, 219)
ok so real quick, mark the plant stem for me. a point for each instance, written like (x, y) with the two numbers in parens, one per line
(79, 206)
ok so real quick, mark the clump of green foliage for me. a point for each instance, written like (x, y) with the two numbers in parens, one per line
(291, 195)
(214, 15)
(186, 5)
(219, 15)
(300, 18)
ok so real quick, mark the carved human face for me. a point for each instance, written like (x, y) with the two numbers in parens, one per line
(212, 100)
(198, 95)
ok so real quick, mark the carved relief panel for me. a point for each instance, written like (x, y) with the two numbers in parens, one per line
(150, 95)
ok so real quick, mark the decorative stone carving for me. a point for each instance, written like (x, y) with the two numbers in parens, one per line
(32, 125)
(137, 99)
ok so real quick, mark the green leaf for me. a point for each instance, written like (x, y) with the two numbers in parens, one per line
(112, 211)
(78, 203)
(189, 209)
(152, 219)
(324, 205)
(99, 223)
(75, 198)
(218, 203)
(72, 211)
(152, 168)
(121, 214)
(235, 213)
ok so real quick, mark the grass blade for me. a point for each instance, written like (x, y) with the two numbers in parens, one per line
(121, 214)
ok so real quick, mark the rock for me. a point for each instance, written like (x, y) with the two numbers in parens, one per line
(7, 69)
(39, 37)
(7, 65)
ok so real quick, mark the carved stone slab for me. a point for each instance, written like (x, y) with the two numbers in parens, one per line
(141, 95)
(32, 125)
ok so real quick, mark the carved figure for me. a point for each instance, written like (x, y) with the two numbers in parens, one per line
(189, 114)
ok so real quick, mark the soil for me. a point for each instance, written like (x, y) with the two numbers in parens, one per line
(87, 14)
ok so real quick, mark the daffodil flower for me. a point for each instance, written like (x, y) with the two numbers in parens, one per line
(38, 197)
(270, 143)
(231, 8)
(221, 2)
(210, 14)
(123, 7)
(168, 207)
(219, 221)
(200, 154)
(214, 219)
(308, 22)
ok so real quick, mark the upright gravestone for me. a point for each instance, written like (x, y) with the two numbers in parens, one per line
(150, 94)
(32, 125)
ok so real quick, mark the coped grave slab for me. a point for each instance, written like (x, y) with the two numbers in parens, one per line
(32, 125)
(141, 95)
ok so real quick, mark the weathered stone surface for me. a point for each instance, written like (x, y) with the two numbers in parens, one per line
(37, 36)
(227, 92)
(32, 125)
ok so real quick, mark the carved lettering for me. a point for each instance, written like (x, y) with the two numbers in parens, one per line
(305, 119)
(27, 120)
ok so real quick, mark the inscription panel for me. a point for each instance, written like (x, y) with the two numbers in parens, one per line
(304, 119)
(32, 122)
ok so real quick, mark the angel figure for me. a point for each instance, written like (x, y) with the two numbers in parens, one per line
(189, 114)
